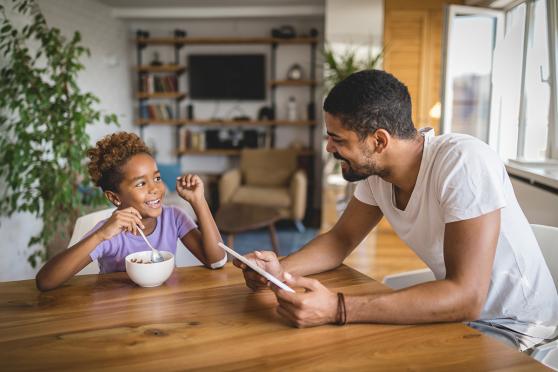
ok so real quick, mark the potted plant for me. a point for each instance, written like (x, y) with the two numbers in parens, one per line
(43, 121)
(340, 64)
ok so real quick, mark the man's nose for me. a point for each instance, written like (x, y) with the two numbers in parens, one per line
(329, 146)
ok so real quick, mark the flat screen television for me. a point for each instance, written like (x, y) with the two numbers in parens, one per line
(226, 76)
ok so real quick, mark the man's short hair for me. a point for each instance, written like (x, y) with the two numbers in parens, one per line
(369, 100)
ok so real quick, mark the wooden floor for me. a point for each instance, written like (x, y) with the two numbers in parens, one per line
(381, 253)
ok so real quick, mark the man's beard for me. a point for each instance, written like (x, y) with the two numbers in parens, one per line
(362, 172)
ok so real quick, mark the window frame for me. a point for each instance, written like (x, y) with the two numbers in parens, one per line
(552, 24)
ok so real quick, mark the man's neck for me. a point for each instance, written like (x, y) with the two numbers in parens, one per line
(404, 164)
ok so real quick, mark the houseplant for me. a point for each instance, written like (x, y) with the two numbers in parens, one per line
(340, 63)
(43, 120)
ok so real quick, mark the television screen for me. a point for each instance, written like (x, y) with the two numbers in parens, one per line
(218, 76)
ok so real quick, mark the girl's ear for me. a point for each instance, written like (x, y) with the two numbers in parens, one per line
(113, 198)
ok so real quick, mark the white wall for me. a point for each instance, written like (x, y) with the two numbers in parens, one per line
(359, 22)
(107, 75)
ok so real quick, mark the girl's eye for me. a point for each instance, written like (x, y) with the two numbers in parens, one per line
(140, 184)
(158, 179)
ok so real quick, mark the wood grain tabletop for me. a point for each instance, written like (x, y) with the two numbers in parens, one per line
(204, 319)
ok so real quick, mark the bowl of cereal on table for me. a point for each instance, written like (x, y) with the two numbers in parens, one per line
(146, 273)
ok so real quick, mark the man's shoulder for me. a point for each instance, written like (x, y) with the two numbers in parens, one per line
(457, 142)
(461, 148)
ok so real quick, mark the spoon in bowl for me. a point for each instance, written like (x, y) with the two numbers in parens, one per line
(155, 255)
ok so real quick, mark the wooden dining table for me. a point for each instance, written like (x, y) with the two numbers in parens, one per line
(203, 319)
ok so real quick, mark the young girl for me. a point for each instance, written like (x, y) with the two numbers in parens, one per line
(122, 165)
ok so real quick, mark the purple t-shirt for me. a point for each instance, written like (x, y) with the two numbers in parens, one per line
(172, 224)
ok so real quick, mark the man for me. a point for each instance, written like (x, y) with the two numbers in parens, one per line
(448, 197)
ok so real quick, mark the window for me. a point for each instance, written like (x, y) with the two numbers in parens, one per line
(536, 92)
(508, 70)
(470, 41)
(523, 99)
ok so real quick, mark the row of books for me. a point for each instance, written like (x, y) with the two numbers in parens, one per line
(157, 112)
(192, 140)
(159, 84)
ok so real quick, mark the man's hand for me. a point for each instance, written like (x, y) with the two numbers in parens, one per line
(267, 261)
(317, 306)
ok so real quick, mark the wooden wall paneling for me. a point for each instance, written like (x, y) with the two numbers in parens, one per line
(413, 39)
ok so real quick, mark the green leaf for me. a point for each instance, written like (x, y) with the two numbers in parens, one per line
(43, 126)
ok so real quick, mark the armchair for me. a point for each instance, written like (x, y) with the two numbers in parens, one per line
(267, 177)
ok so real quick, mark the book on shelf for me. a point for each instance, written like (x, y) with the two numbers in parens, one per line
(158, 84)
(156, 112)
(191, 139)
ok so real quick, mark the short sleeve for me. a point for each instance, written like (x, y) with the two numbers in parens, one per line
(363, 192)
(470, 181)
(101, 249)
(184, 224)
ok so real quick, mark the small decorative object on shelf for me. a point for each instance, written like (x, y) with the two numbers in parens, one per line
(179, 33)
(292, 110)
(190, 111)
(294, 72)
(284, 32)
(155, 61)
(266, 113)
(142, 34)
(313, 32)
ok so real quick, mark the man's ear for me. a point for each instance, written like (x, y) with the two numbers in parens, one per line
(113, 198)
(382, 140)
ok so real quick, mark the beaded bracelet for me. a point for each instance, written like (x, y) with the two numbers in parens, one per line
(341, 318)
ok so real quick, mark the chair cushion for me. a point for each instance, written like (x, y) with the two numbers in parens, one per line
(269, 196)
(267, 177)
(268, 167)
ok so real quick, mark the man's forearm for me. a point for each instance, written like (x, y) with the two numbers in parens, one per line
(323, 253)
(437, 301)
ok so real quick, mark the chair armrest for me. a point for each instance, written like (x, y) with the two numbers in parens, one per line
(229, 182)
(297, 188)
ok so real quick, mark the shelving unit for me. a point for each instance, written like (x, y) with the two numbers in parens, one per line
(202, 122)
(232, 152)
(177, 69)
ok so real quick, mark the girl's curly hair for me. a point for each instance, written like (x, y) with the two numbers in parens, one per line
(109, 155)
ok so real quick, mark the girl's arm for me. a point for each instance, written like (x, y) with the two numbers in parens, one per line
(70, 261)
(203, 242)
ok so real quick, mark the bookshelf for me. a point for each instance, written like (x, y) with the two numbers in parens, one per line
(152, 78)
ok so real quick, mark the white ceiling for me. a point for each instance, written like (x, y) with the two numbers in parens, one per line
(204, 3)
(179, 9)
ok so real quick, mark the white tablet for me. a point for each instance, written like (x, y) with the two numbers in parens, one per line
(257, 269)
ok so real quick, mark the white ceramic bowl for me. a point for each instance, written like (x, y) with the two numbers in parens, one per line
(149, 274)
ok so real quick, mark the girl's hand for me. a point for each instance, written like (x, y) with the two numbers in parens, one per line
(121, 220)
(190, 187)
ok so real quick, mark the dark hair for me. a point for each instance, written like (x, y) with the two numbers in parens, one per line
(109, 155)
(369, 100)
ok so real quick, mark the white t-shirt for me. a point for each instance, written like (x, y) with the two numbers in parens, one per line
(460, 178)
